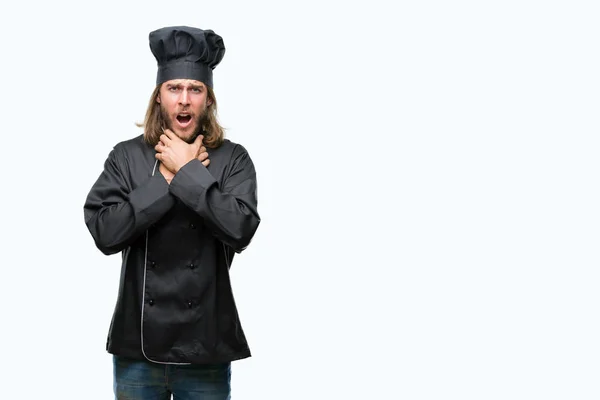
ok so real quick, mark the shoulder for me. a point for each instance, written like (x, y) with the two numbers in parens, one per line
(232, 149)
(132, 151)
(133, 144)
(231, 156)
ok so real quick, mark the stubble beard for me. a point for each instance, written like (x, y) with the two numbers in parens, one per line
(200, 119)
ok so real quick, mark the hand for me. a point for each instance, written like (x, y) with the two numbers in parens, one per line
(203, 156)
(166, 173)
(174, 153)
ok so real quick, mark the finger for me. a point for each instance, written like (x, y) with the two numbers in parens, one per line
(170, 134)
(199, 139)
(164, 139)
(202, 150)
(206, 162)
(159, 147)
(202, 156)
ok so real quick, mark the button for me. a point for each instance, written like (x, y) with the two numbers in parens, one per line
(192, 225)
(192, 266)
(151, 302)
(190, 304)
(153, 264)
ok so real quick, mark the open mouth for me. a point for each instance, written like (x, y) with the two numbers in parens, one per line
(184, 119)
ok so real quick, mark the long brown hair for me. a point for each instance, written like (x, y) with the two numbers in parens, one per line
(213, 132)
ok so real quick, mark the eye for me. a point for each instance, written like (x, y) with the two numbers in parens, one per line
(197, 90)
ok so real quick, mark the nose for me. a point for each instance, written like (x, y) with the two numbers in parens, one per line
(184, 99)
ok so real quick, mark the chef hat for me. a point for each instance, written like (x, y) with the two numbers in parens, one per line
(183, 52)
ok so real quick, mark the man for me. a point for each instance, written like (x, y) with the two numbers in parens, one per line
(178, 202)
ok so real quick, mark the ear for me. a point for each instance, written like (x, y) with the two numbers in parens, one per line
(158, 98)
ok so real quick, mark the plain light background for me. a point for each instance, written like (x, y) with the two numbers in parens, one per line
(428, 187)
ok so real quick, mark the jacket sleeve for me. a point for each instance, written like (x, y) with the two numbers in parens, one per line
(230, 211)
(115, 214)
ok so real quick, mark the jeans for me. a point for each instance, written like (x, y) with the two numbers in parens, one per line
(145, 380)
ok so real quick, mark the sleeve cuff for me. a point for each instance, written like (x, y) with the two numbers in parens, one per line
(193, 178)
(152, 198)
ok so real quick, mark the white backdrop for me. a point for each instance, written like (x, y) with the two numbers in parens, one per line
(428, 187)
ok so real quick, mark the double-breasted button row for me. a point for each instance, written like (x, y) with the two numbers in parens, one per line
(190, 265)
(189, 303)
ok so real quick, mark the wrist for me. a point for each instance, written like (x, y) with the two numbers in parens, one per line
(177, 168)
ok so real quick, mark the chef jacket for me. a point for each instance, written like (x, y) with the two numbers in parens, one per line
(175, 303)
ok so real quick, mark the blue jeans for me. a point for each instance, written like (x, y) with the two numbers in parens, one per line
(145, 380)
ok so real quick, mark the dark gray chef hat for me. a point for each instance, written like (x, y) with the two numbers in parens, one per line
(183, 52)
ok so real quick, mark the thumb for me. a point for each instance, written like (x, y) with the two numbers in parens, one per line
(198, 144)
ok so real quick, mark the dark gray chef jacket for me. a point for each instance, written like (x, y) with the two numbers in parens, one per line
(175, 303)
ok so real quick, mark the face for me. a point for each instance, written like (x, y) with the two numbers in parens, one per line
(183, 104)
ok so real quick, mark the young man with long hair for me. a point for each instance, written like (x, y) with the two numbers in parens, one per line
(178, 201)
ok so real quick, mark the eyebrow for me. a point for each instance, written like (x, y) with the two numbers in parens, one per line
(191, 85)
